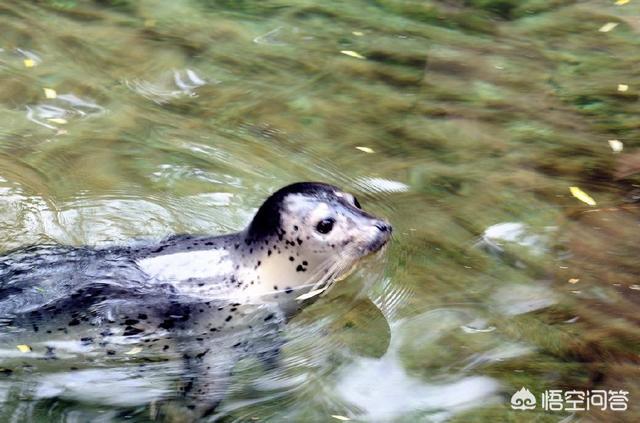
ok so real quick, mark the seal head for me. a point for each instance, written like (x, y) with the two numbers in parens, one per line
(314, 233)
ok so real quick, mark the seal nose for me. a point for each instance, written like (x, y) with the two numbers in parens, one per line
(384, 227)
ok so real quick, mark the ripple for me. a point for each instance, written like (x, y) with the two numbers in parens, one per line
(381, 185)
(515, 299)
(61, 109)
(20, 57)
(171, 85)
(115, 386)
(270, 38)
(382, 390)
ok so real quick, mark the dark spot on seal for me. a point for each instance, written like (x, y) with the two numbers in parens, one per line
(269, 317)
(291, 258)
(288, 290)
(167, 324)
(229, 317)
(142, 316)
(300, 268)
(131, 330)
(73, 322)
(275, 287)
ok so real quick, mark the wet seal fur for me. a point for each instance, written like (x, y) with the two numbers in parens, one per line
(206, 300)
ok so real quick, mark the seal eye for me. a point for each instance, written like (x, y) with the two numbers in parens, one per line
(356, 203)
(325, 226)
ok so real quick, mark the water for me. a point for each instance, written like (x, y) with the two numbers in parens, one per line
(475, 117)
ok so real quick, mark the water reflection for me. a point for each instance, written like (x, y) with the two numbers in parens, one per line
(168, 86)
(382, 389)
(60, 109)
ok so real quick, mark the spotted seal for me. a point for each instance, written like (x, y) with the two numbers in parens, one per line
(196, 298)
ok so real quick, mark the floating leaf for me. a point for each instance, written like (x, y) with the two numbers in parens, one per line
(358, 33)
(339, 417)
(134, 350)
(573, 281)
(365, 149)
(57, 120)
(623, 87)
(50, 93)
(23, 348)
(608, 26)
(582, 196)
(621, 2)
(352, 54)
(616, 145)
(29, 63)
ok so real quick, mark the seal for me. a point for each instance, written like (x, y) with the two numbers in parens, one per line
(300, 241)
(188, 295)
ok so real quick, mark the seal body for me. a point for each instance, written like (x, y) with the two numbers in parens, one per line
(206, 300)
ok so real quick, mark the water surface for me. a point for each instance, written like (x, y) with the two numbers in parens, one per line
(464, 123)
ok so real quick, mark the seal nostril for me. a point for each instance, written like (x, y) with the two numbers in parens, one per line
(383, 227)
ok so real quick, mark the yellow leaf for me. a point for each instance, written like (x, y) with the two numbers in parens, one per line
(23, 348)
(365, 149)
(582, 196)
(358, 33)
(57, 120)
(616, 145)
(339, 417)
(573, 280)
(621, 2)
(352, 54)
(608, 26)
(134, 350)
(50, 93)
(29, 63)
